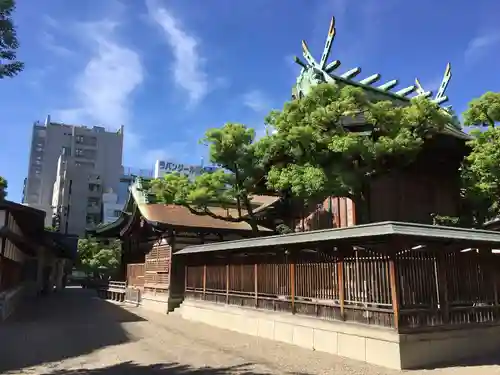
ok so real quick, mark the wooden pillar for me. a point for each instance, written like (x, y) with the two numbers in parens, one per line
(442, 285)
(394, 289)
(204, 280)
(489, 260)
(227, 284)
(292, 284)
(256, 285)
(341, 284)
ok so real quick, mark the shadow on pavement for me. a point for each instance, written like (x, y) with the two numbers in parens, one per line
(130, 368)
(68, 324)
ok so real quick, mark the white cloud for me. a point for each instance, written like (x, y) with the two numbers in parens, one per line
(257, 101)
(188, 64)
(480, 45)
(103, 90)
(50, 43)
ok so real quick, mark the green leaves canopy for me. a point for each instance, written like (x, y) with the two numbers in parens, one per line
(484, 110)
(336, 138)
(328, 143)
(232, 149)
(3, 188)
(481, 169)
(96, 257)
(9, 66)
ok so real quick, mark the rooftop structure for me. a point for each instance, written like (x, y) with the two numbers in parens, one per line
(314, 72)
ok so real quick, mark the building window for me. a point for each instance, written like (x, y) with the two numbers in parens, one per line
(84, 164)
(117, 213)
(79, 152)
(93, 202)
(94, 188)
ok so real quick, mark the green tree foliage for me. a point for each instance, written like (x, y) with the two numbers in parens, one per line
(483, 111)
(233, 149)
(335, 139)
(98, 257)
(329, 143)
(9, 66)
(3, 188)
(481, 168)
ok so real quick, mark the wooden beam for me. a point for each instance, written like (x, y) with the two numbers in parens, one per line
(256, 285)
(227, 284)
(341, 284)
(292, 285)
(442, 276)
(394, 290)
(204, 280)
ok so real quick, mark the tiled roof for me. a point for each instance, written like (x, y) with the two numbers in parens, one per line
(181, 216)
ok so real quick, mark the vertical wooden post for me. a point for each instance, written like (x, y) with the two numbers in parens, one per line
(341, 284)
(227, 284)
(394, 290)
(204, 280)
(292, 285)
(443, 285)
(185, 278)
(256, 285)
(488, 259)
(494, 280)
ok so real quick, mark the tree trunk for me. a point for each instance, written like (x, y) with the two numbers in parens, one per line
(251, 217)
(361, 205)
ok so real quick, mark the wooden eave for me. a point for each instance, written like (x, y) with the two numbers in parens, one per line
(411, 232)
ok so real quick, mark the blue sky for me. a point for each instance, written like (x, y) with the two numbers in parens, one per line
(170, 69)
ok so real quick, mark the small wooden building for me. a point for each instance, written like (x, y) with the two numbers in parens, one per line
(399, 295)
(151, 233)
(32, 260)
(429, 186)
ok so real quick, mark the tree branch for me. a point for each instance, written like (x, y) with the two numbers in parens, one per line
(206, 212)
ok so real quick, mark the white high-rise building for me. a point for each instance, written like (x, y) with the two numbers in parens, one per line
(69, 169)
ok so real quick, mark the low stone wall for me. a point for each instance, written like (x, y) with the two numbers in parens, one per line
(375, 345)
(11, 299)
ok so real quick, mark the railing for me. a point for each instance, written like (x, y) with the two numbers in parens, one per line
(117, 285)
(334, 289)
(119, 291)
(411, 291)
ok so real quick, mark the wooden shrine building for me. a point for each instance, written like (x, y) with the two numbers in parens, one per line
(429, 186)
(399, 295)
(151, 233)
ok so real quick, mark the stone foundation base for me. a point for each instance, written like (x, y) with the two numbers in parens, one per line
(375, 345)
(159, 303)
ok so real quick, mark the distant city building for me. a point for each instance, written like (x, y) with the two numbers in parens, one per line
(114, 201)
(69, 169)
(164, 167)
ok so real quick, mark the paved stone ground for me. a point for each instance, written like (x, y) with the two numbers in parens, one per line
(76, 333)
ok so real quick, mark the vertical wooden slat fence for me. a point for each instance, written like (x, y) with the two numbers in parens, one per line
(408, 290)
(354, 288)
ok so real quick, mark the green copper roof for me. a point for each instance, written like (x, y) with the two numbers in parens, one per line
(314, 72)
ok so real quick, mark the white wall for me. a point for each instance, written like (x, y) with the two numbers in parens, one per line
(110, 207)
